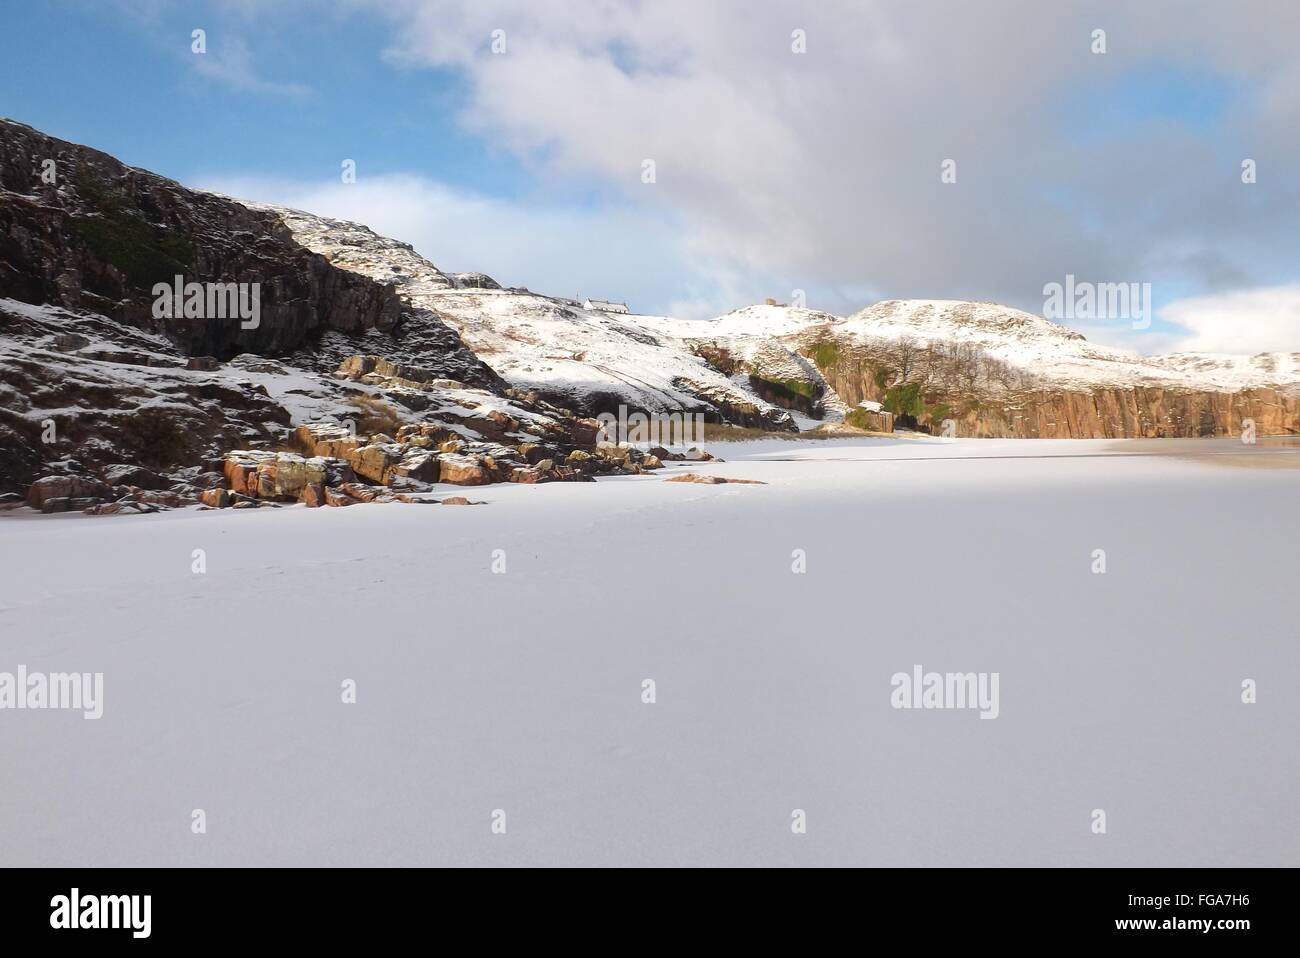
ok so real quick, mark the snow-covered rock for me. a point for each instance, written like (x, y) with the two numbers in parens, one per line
(585, 360)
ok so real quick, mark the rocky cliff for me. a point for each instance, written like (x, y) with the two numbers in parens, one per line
(342, 389)
(1101, 412)
(81, 230)
(988, 397)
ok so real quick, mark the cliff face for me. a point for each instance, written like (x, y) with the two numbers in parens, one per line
(91, 380)
(102, 234)
(1020, 410)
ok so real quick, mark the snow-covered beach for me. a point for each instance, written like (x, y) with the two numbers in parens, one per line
(499, 654)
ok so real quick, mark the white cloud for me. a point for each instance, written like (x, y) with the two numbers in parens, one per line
(1245, 321)
(821, 170)
(230, 62)
(623, 254)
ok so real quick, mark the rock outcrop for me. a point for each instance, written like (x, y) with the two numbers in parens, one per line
(81, 387)
(102, 234)
(995, 406)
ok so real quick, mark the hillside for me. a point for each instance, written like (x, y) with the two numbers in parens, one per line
(359, 332)
(997, 371)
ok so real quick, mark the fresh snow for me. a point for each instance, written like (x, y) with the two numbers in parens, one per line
(305, 395)
(522, 691)
(533, 341)
(541, 342)
(1060, 356)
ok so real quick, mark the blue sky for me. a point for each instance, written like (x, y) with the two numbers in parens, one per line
(776, 172)
(126, 84)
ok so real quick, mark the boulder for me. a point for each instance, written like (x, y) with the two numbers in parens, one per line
(360, 491)
(123, 507)
(665, 455)
(65, 487)
(376, 369)
(337, 497)
(372, 462)
(208, 480)
(70, 342)
(714, 480)
(418, 464)
(403, 484)
(337, 472)
(463, 470)
(215, 498)
(240, 470)
(68, 504)
(532, 452)
(124, 474)
(313, 495)
(263, 486)
(327, 439)
(164, 500)
(285, 476)
(614, 453)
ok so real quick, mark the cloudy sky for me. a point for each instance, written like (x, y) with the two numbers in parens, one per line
(796, 146)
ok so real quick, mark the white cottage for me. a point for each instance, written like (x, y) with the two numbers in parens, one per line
(600, 306)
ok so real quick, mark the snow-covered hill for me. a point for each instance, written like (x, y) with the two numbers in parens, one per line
(1052, 354)
(589, 358)
(585, 359)
(1057, 355)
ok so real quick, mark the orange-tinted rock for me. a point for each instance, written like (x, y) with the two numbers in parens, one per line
(1102, 412)
(463, 470)
(359, 491)
(372, 462)
(528, 474)
(336, 497)
(215, 498)
(418, 464)
(64, 487)
(240, 470)
(714, 480)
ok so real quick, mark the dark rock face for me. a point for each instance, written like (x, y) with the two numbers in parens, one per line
(94, 376)
(132, 406)
(20, 462)
(103, 234)
(787, 395)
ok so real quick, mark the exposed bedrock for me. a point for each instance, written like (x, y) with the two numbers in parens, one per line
(1052, 412)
